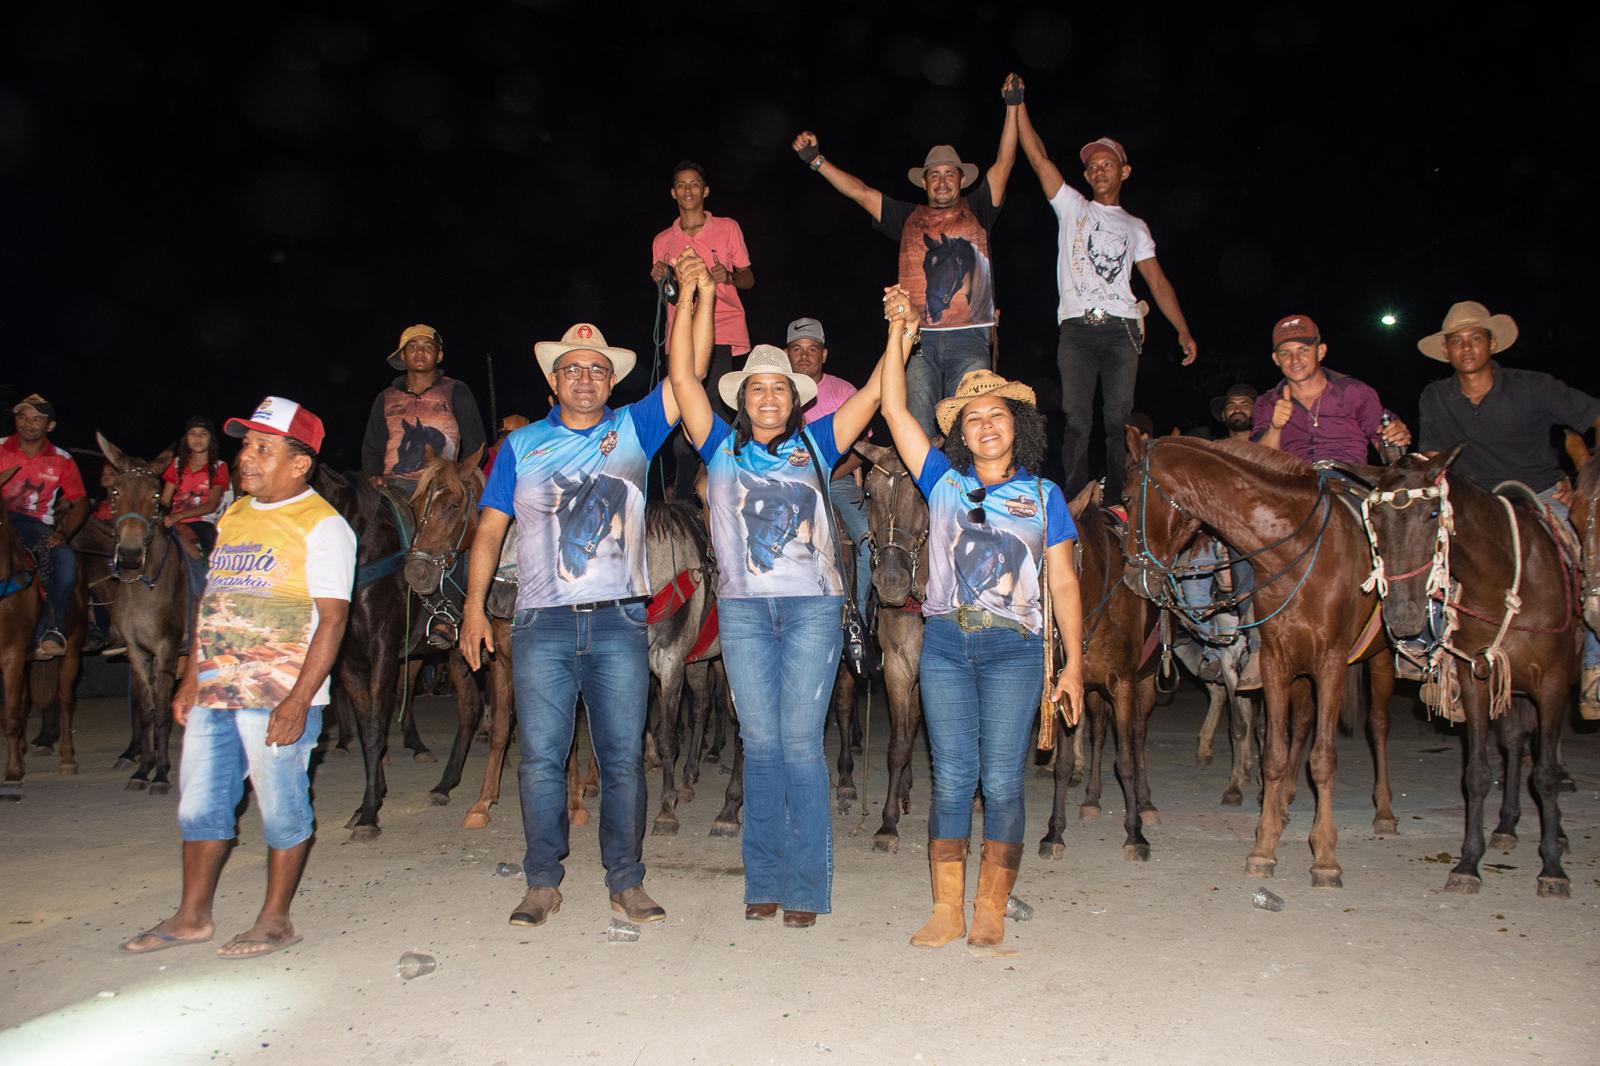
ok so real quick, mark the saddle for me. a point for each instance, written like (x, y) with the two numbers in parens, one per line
(1565, 537)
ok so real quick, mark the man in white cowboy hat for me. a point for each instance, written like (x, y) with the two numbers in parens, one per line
(422, 408)
(1102, 325)
(944, 254)
(1503, 416)
(574, 481)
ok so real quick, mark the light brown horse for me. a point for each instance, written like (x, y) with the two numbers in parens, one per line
(1310, 556)
(19, 613)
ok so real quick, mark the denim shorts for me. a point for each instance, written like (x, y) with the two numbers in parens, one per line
(220, 749)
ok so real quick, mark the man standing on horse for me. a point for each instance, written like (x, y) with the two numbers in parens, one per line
(420, 409)
(252, 698)
(1315, 413)
(574, 482)
(944, 254)
(1503, 417)
(1098, 245)
(44, 472)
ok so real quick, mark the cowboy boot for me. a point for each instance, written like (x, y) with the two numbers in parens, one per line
(997, 873)
(947, 870)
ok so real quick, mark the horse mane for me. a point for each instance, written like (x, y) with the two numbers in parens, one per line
(1265, 460)
(669, 519)
(1589, 478)
(444, 474)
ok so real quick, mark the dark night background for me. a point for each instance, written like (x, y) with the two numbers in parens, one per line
(258, 198)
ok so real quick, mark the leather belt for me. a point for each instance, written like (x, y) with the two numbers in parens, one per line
(600, 605)
(973, 619)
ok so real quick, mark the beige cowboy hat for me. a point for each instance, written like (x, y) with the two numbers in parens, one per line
(977, 383)
(941, 155)
(397, 358)
(1469, 314)
(584, 337)
(765, 359)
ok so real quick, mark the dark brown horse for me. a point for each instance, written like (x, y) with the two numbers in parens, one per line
(1586, 517)
(1117, 623)
(19, 613)
(1310, 555)
(1505, 621)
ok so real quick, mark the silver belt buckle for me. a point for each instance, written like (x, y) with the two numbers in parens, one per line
(1096, 316)
(972, 619)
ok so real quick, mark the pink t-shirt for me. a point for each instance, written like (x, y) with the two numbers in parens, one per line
(831, 392)
(720, 240)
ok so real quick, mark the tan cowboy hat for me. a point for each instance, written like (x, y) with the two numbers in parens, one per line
(765, 359)
(977, 383)
(1469, 314)
(583, 337)
(397, 358)
(940, 155)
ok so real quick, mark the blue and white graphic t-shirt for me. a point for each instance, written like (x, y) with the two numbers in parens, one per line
(994, 563)
(578, 498)
(768, 526)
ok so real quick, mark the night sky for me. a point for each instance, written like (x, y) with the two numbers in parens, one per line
(201, 212)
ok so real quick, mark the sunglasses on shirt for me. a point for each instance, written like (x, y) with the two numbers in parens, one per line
(977, 516)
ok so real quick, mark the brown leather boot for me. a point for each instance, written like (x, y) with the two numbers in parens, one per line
(997, 873)
(947, 870)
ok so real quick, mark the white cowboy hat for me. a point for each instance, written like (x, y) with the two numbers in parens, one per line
(584, 337)
(1469, 314)
(765, 359)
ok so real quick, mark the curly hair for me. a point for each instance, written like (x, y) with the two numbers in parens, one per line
(1027, 448)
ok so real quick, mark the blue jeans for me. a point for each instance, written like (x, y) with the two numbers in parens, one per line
(782, 654)
(63, 566)
(557, 653)
(980, 694)
(1591, 646)
(937, 367)
(851, 504)
(1197, 592)
(1108, 353)
(220, 749)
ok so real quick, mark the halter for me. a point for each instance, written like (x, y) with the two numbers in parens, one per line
(151, 525)
(912, 552)
(441, 612)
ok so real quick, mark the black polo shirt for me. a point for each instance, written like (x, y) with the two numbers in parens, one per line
(1507, 433)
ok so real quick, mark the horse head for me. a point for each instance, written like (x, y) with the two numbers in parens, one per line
(946, 265)
(1158, 528)
(897, 521)
(446, 505)
(135, 493)
(1409, 523)
(1586, 517)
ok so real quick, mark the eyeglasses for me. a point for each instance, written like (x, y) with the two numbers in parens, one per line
(977, 516)
(592, 371)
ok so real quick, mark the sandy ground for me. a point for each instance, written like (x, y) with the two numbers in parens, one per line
(1163, 962)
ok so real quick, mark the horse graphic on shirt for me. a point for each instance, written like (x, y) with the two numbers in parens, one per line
(950, 265)
(587, 513)
(29, 497)
(986, 560)
(775, 512)
(416, 438)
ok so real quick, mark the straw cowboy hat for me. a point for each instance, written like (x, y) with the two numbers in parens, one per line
(977, 383)
(1469, 314)
(941, 155)
(765, 359)
(397, 358)
(583, 337)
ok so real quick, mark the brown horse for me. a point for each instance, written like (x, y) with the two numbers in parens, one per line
(1505, 612)
(1116, 625)
(19, 613)
(1586, 517)
(1309, 553)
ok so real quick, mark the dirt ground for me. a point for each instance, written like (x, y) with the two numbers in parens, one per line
(1160, 962)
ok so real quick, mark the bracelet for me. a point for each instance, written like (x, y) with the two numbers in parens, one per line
(816, 164)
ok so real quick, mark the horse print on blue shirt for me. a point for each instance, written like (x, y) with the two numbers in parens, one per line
(588, 512)
(987, 560)
(775, 513)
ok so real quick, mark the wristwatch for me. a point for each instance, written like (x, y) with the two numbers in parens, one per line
(816, 164)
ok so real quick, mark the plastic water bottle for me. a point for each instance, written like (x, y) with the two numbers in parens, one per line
(1390, 453)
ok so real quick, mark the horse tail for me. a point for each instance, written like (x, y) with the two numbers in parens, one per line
(1353, 706)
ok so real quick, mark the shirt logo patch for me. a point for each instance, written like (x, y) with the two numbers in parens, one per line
(799, 457)
(1022, 507)
(608, 443)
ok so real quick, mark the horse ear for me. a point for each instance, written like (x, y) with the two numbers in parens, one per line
(1450, 456)
(470, 463)
(1082, 501)
(1576, 449)
(161, 461)
(872, 453)
(1136, 444)
(112, 453)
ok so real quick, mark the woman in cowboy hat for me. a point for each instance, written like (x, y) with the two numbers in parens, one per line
(990, 523)
(779, 593)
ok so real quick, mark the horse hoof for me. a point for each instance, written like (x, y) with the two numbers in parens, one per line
(1136, 853)
(1150, 816)
(1385, 827)
(1044, 771)
(439, 799)
(685, 794)
(1566, 784)
(1327, 878)
(41, 749)
(160, 788)
(1555, 888)
(1232, 798)
(342, 749)
(886, 845)
(1089, 812)
(1076, 779)
(67, 768)
(726, 769)
(846, 793)
(123, 764)
(1255, 866)
(423, 756)
(724, 829)
(1203, 761)
(364, 834)
(1463, 884)
(843, 807)
(1503, 841)
(579, 817)
(136, 785)
(475, 820)
(1052, 849)
(666, 825)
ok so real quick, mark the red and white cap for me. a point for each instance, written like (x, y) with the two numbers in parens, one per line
(285, 418)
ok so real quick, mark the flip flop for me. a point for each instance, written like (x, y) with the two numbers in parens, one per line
(165, 941)
(274, 946)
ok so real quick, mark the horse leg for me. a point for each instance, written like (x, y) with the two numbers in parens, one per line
(13, 715)
(1516, 729)
(369, 703)
(1053, 845)
(1076, 777)
(726, 823)
(1302, 716)
(577, 814)
(1464, 878)
(905, 706)
(1553, 882)
(408, 717)
(1135, 848)
(1325, 870)
(1240, 736)
(698, 677)
(40, 681)
(467, 708)
(1095, 717)
(671, 692)
(1263, 858)
(1380, 681)
(162, 682)
(500, 701)
(141, 684)
(1217, 698)
(1144, 702)
(844, 712)
(718, 718)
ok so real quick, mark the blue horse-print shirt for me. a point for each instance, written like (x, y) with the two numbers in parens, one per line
(994, 563)
(578, 498)
(771, 534)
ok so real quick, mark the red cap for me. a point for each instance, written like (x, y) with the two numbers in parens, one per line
(1103, 144)
(283, 418)
(1295, 328)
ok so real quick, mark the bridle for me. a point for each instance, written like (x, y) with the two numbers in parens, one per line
(892, 542)
(445, 561)
(151, 525)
